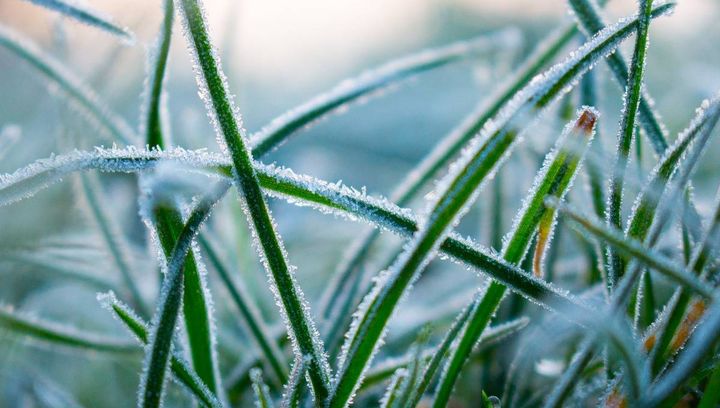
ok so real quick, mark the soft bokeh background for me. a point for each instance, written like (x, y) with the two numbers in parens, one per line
(277, 54)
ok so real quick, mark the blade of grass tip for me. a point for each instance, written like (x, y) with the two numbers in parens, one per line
(295, 311)
(456, 192)
(112, 236)
(261, 390)
(588, 15)
(63, 77)
(86, 16)
(297, 189)
(554, 179)
(293, 391)
(55, 334)
(372, 81)
(635, 249)
(447, 149)
(179, 367)
(669, 322)
(431, 368)
(491, 336)
(711, 395)
(197, 303)
(631, 104)
(249, 312)
(698, 348)
(158, 66)
(416, 366)
(157, 356)
(571, 375)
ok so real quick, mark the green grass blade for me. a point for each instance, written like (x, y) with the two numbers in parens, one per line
(553, 180)
(179, 367)
(113, 239)
(636, 250)
(711, 396)
(158, 354)
(56, 334)
(391, 395)
(249, 312)
(277, 131)
(86, 16)
(564, 385)
(293, 391)
(261, 390)
(298, 189)
(446, 150)
(220, 106)
(158, 64)
(588, 15)
(60, 75)
(631, 104)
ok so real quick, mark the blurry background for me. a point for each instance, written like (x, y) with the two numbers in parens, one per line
(278, 54)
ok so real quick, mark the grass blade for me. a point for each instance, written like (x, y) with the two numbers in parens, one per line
(553, 180)
(277, 131)
(635, 249)
(60, 75)
(292, 393)
(179, 367)
(631, 104)
(55, 334)
(391, 394)
(86, 16)
(221, 108)
(250, 315)
(711, 396)
(158, 354)
(153, 121)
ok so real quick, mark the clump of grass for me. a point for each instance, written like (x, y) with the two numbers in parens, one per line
(641, 329)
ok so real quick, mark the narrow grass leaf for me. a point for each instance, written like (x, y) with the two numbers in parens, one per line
(391, 395)
(261, 390)
(85, 16)
(224, 115)
(293, 391)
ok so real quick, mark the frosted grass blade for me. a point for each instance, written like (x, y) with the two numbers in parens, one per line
(553, 180)
(250, 315)
(55, 334)
(86, 16)
(391, 394)
(226, 119)
(179, 367)
(157, 357)
(291, 394)
(155, 136)
(369, 82)
(636, 250)
(60, 75)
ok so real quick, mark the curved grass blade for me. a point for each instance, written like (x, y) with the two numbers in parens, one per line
(158, 353)
(297, 189)
(391, 395)
(277, 131)
(457, 191)
(158, 65)
(55, 334)
(86, 16)
(292, 393)
(60, 75)
(261, 390)
(588, 15)
(631, 104)
(445, 151)
(635, 249)
(179, 367)
(250, 315)
(553, 180)
(226, 120)
(111, 234)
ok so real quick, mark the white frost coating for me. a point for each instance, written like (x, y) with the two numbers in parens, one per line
(361, 87)
(398, 377)
(294, 381)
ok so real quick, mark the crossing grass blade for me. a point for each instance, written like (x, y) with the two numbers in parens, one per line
(85, 16)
